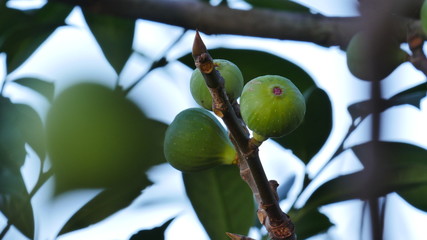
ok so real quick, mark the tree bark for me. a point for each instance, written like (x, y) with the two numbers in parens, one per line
(315, 28)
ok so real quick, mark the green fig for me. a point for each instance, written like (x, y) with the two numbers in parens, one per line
(96, 138)
(233, 83)
(370, 64)
(196, 141)
(271, 106)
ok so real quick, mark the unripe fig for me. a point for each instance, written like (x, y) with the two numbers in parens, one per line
(195, 141)
(233, 83)
(96, 138)
(271, 106)
(371, 63)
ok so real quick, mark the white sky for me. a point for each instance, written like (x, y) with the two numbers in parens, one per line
(325, 65)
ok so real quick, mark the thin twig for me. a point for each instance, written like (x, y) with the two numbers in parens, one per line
(277, 223)
(43, 177)
(160, 62)
(418, 58)
(5, 230)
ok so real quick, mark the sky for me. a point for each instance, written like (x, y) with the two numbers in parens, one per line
(163, 201)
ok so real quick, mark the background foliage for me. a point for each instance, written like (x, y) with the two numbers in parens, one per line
(221, 200)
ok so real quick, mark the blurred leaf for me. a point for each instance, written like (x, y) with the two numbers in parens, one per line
(222, 200)
(98, 134)
(12, 143)
(311, 135)
(29, 31)
(32, 129)
(157, 233)
(19, 212)
(114, 35)
(319, 111)
(44, 88)
(411, 96)
(416, 196)
(309, 223)
(14, 200)
(104, 205)
(407, 165)
(283, 5)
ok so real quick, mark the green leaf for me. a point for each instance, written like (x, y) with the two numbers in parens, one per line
(408, 165)
(19, 212)
(319, 114)
(404, 173)
(98, 134)
(416, 196)
(114, 35)
(309, 223)
(222, 200)
(32, 129)
(157, 233)
(104, 205)
(15, 201)
(411, 96)
(44, 88)
(12, 143)
(283, 5)
(29, 31)
(313, 132)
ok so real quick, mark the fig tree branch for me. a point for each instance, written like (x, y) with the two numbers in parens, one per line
(277, 223)
(315, 28)
(418, 57)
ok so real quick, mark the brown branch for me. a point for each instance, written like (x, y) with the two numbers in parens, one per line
(277, 223)
(315, 28)
(418, 57)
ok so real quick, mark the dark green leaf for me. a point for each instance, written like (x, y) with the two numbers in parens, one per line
(397, 154)
(313, 132)
(19, 212)
(157, 233)
(416, 196)
(114, 35)
(12, 143)
(404, 172)
(32, 129)
(29, 31)
(104, 205)
(309, 223)
(44, 88)
(222, 200)
(283, 5)
(408, 165)
(14, 200)
(412, 96)
(256, 63)
(319, 114)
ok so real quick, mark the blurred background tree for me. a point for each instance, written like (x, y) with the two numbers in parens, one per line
(354, 169)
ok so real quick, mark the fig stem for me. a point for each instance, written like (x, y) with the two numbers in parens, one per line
(277, 223)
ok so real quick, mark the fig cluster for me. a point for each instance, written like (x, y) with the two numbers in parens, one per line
(270, 105)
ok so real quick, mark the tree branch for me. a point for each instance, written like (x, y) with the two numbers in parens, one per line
(277, 223)
(315, 28)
